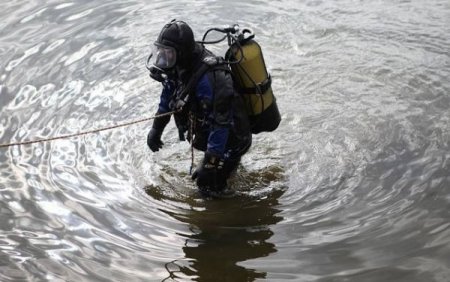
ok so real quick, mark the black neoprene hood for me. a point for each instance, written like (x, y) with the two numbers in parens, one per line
(178, 35)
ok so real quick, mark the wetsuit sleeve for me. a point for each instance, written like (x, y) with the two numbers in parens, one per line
(163, 107)
(221, 86)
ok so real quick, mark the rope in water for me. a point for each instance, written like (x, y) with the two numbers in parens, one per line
(82, 132)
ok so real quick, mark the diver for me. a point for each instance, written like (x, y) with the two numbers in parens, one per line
(208, 110)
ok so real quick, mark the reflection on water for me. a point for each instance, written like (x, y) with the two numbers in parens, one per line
(226, 232)
(229, 232)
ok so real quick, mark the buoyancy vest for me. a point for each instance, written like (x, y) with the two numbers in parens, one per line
(260, 103)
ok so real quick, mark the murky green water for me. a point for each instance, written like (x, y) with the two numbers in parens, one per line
(353, 186)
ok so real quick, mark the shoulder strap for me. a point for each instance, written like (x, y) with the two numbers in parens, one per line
(209, 62)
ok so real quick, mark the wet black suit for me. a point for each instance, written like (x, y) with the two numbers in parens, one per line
(214, 111)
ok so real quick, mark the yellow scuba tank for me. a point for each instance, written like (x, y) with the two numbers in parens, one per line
(254, 83)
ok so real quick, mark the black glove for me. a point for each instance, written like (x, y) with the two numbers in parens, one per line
(154, 140)
(154, 136)
(209, 175)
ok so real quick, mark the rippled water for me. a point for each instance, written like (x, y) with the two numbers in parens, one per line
(353, 186)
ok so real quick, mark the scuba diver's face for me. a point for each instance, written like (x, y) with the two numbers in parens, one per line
(172, 50)
(163, 57)
(161, 62)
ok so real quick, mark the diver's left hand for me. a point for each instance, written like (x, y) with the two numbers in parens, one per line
(206, 175)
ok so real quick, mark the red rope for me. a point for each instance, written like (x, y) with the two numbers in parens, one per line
(81, 133)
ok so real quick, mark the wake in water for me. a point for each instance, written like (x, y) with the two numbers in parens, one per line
(353, 185)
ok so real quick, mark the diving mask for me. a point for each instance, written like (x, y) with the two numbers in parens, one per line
(161, 61)
(163, 57)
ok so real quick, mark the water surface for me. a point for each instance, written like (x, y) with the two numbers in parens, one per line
(353, 186)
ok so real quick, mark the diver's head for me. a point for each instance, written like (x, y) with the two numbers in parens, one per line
(173, 48)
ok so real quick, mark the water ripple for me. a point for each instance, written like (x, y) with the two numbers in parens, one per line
(351, 187)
